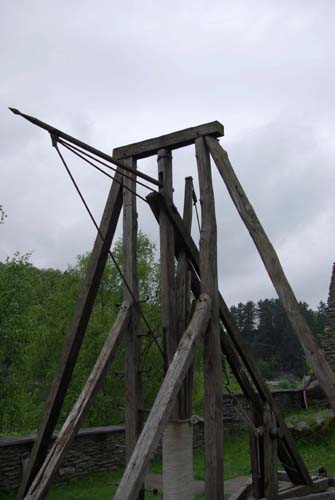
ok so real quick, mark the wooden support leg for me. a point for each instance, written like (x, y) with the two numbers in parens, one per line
(134, 405)
(212, 353)
(238, 349)
(47, 472)
(164, 403)
(76, 334)
(270, 450)
(273, 266)
(256, 453)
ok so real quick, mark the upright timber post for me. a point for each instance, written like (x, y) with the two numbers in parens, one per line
(173, 455)
(183, 280)
(212, 349)
(273, 266)
(134, 405)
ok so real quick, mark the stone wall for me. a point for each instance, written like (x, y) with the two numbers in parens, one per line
(328, 338)
(94, 449)
(102, 448)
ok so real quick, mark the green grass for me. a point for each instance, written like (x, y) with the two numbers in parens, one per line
(316, 451)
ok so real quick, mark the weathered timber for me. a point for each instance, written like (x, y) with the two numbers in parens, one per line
(273, 266)
(76, 333)
(318, 486)
(164, 403)
(242, 493)
(56, 133)
(325, 495)
(288, 452)
(167, 262)
(172, 141)
(47, 472)
(134, 402)
(256, 453)
(213, 390)
(183, 285)
(270, 453)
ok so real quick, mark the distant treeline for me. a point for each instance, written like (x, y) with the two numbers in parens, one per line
(36, 306)
(266, 328)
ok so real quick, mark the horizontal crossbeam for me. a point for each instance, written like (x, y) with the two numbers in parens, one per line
(175, 140)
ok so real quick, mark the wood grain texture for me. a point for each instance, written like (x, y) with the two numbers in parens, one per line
(270, 453)
(164, 403)
(183, 285)
(168, 293)
(134, 403)
(75, 334)
(287, 450)
(273, 266)
(171, 141)
(213, 390)
(47, 472)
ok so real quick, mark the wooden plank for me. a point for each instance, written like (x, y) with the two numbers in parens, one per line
(213, 390)
(325, 495)
(175, 140)
(183, 285)
(76, 333)
(134, 402)
(164, 403)
(288, 451)
(242, 493)
(300, 491)
(47, 472)
(273, 266)
(270, 452)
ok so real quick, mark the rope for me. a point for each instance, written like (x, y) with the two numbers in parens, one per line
(77, 150)
(102, 171)
(54, 143)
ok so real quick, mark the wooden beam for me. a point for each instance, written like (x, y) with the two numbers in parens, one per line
(256, 452)
(270, 453)
(164, 403)
(300, 491)
(47, 472)
(134, 402)
(288, 451)
(76, 333)
(213, 397)
(183, 285)
(172, 141)
(167, 260)
(242, 493)
(321, 368)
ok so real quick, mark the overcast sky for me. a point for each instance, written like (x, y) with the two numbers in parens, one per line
(112, 73)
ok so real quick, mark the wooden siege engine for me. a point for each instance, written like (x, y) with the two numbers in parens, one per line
(209, 321)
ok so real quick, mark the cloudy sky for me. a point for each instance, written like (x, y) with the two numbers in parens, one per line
(112, 73)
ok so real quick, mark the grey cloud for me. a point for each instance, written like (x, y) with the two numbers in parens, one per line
(117, 73)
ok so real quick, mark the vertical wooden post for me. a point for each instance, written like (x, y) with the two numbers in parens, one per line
(167, 260)
(270, 449)
(273, 266)
(256, 453)
(183, 281)
(134, 405)
(212, 350)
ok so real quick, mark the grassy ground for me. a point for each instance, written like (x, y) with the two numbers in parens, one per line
(316, 450)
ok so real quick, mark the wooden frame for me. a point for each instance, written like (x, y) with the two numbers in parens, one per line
(198, 271)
